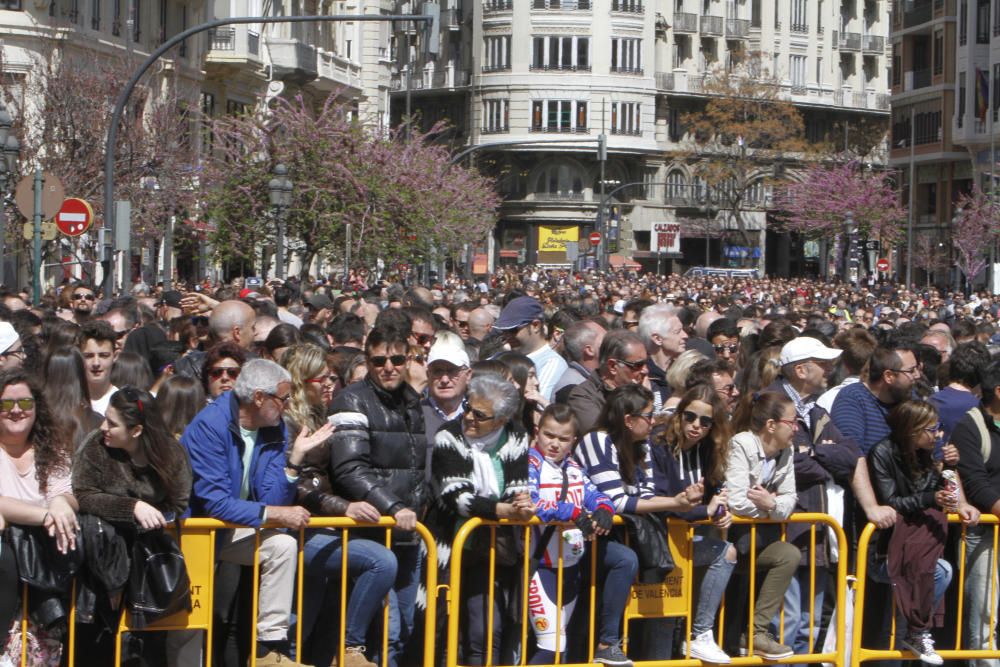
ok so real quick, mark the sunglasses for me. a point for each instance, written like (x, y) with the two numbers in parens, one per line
(424, 339)
(632, 365)
(332, 379)
(477, 415)
(120, 334)
(25, 404)
(722, 348)
(281, 399)
(81, 296)
(703, 420)
(380, 360)
(933, 429)
(17, 354)
(231, 373)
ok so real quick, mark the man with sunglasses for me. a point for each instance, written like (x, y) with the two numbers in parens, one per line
(245, 472)
(378, 454)
(725, 340)
(621, 361)
(81, 303)
(823, 456)
(11, 351)
(522, 324)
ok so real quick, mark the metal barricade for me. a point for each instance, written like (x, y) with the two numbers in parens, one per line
(861, 654)
(197, 542)
(671, 598)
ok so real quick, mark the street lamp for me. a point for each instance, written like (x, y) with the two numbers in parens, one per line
(708, 208)
(280, 191)
(8, 168)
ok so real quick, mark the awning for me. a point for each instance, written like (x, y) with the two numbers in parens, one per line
(622, 262)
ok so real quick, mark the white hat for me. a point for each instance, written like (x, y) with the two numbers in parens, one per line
(444, 350)
(806, 347)
(7, 336)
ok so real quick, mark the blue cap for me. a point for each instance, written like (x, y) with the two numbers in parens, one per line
(520, 311)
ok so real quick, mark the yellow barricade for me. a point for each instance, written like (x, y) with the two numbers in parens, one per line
(861, 654)
(670, 598)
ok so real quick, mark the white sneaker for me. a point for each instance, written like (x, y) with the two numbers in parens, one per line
(923, 646)
(704, 648)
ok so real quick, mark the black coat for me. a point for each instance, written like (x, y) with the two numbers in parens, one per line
(379, 451)
(895, 487)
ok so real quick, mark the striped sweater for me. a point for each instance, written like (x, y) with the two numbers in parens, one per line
(599, 458)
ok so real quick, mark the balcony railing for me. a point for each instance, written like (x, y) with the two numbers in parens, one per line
(685, 22)
(629, 133)
(628, 6)
(615, 69)
(559, 68)
(665, 80)
(737, 28)
(498, 5)
(849, 41)
(489, 69)
(678, 194)
(915, 79)
(921, 12)
(798, 89)
(882, 101)
(553, 129)
(222, 39)
(560, 196)
(562, 5)
(499, 129)
(447, 78)
(800, 27)
(711, 25)
(873, 44)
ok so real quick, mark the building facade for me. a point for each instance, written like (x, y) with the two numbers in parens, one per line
(529, 85)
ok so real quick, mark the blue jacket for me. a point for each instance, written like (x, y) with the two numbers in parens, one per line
(215, 447)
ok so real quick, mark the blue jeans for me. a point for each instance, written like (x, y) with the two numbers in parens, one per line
(370, 565)
(402, 600)
(618, 566)
(713, 587)
(942, 577)
(797, 611)
(980, 592)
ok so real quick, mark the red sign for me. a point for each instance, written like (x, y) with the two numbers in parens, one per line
(882, 265)
(74, 217)
(595, 238)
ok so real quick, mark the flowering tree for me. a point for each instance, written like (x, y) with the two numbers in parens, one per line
(401, 195)
(63, 110)
(817, 205)
(929, 254)
(975, 229)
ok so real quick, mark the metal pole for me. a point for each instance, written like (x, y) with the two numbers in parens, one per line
(168, 255)
(279, 249)
(347, 253)
(111, 144)
(3, 231)
(911, 204)
(37, 292)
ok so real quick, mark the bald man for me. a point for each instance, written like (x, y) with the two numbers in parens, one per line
(230, 321)
(480, 322)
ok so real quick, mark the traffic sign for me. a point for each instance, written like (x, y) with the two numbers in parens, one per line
(74, 217)
(52, 195)
(49, 231)
(595, 238)
(882, 265)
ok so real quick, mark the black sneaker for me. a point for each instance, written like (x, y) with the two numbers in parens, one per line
(612, 655)
(922, 644)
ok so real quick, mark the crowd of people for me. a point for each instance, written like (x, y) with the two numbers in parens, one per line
(575, 398)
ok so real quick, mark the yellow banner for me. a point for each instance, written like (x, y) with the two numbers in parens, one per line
(554, 239)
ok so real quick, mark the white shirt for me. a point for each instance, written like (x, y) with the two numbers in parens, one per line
(100, 405)
(827, 398)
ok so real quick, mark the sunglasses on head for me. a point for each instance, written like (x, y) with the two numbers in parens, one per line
(691, 417)
(381, 360)
(218, 372)
(7, 404)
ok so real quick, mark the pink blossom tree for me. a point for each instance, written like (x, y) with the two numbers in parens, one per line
(817, 206)
(975, 228)
(929, 254)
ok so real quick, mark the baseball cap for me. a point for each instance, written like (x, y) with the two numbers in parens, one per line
(320, 301)
(450, 352)
(171, 298)
(806, 347)
(7, 336)
(520, 311)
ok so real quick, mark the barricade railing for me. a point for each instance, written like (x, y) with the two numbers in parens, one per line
(861, 654)
(671, 598)
(198, 544)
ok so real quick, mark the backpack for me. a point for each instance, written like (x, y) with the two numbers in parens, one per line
(158, 583)
(985, 443)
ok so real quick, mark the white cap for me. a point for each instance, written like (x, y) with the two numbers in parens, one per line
(7, 336)
(444, 350)
(806, 347)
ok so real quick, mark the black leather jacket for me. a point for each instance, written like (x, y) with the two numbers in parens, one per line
(893, 484)
(379, 451)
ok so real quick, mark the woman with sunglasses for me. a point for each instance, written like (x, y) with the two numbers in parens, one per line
(760, 475)
(221, 368)
(691, 449)
(480, 469)
(905, 477)
(371, 566)
(617, 458)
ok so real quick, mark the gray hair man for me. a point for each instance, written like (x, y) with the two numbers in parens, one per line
(621, 361)
(582, 344)
(245, 473)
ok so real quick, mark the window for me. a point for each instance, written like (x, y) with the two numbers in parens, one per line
(559, 180)
(800, 23)
(819, 71)
(676, 187)
(633, 6)
(95, 14)
(626, 55)
(236, 108)
(558, 116)
(982, 21)
(675, 127)
(136, 17)
(755, 14)
(560, 53)
(797, 70)
(963, 22)
(625, 118)
(116, 17)
(497, 56)
(996, 87)
(961, 98)
(819, 17)
(897, 65)
(938, 51)
(496, 116)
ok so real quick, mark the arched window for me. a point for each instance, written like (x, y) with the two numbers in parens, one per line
(676, 185)
(559, 179)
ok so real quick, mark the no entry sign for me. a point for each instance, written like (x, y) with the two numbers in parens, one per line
(75, 217)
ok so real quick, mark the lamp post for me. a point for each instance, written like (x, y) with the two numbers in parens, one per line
(280, 191)
(8, 168)
(710, 212)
